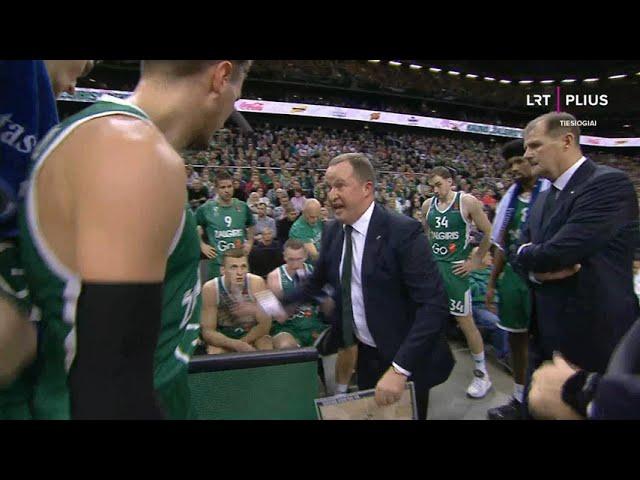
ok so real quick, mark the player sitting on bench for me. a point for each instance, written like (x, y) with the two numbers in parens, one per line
(223, 329)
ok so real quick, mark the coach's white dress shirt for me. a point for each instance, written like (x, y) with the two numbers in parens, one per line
(358, 238)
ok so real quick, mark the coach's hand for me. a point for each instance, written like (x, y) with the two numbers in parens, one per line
(545, 397)
(559, 275)
(208, 251)
(389, 388)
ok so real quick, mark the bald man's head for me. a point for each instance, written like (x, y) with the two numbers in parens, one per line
(311, 211)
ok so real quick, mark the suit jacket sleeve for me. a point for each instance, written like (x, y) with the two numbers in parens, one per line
(424, 286)
(596, 217)
(617, 398)
(311, 288)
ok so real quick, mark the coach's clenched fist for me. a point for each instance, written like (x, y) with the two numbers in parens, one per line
(390, 387)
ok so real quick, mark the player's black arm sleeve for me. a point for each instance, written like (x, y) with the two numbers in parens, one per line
(117, 327)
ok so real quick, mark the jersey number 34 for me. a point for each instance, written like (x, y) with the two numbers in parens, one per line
(442, 222)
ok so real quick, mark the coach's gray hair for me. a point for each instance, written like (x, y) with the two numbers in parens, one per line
(361, 166)
(553, 123)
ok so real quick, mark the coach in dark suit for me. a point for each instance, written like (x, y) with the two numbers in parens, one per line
(389, 295)
(589, 217)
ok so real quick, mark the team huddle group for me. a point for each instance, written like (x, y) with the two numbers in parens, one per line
(229, 226)
(103, 303)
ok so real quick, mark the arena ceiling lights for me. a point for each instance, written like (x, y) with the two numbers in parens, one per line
(415, 66)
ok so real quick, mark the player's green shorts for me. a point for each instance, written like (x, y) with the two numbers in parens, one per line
(515, 302)
(305, 335)
(458, 289)
(175, 399)
(15, 411)
(15, 399)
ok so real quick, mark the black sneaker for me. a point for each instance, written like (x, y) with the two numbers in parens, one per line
(510, 411)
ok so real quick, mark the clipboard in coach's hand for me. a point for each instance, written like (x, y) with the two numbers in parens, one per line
(362, 406)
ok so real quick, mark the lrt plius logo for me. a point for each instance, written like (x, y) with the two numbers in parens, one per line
(584, 100)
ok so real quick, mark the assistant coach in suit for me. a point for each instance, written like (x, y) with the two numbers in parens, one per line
(389, 296)
(588, 218)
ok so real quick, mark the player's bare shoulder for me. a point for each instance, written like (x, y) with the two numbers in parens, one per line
(469, 202)
(426, 205)
(126, 163)
(257, 282)
(210, 292)
(123, 143)
(273, 282)
(272, 276)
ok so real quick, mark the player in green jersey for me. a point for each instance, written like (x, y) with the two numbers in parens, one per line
(116, 278)
(227, 222)
(448, 216)
(222, 329)
(304, 326)
(308, 228)
(515, 301)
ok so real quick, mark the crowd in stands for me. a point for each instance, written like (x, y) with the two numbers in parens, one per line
(276, 169)
(274, 159)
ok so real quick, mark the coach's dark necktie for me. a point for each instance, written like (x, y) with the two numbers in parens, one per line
(550, 204)
(345, 287)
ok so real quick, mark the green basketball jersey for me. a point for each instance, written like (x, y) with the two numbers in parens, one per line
(306, 316)
(515, 224)
(225, 226)
(55, 288)
(306, 233)
(449, 231)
